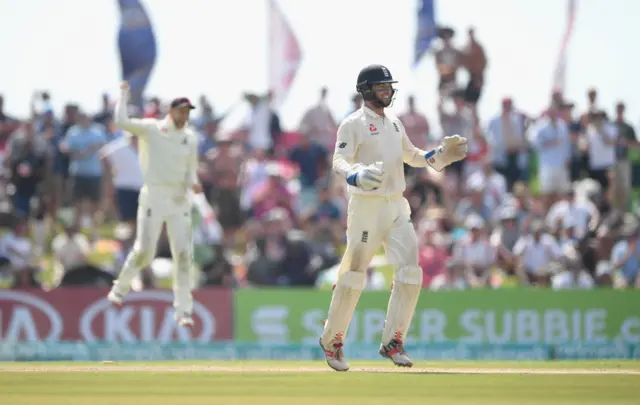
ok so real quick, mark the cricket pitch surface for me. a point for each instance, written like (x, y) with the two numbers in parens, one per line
(310, 383)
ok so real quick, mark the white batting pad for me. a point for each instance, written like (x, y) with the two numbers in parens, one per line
(402, 303)
(343, 303)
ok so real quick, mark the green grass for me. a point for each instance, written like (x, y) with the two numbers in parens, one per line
(233, 383)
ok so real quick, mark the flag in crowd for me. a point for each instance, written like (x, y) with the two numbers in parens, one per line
(426, 30)
(285, 54)
(137, 44)
(560, 71)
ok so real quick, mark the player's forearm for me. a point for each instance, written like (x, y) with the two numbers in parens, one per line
(420, 158)
(416, 157)
(341, 165)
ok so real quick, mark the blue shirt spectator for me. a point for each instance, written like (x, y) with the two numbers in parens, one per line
(82, 142)
(551, 141)
(311, 158)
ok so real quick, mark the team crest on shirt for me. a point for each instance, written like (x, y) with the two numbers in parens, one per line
(373, 130)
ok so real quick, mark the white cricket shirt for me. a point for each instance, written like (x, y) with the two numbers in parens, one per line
(365, 137)
(168, 156)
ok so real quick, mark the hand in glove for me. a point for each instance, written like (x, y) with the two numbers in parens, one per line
(368, 178)
(452, 149)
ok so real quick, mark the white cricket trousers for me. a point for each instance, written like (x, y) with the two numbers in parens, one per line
(158, 206)
(375, 221)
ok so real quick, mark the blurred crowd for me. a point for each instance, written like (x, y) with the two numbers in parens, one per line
(543, 199)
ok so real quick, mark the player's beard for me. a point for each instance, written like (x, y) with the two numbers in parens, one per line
(384, 104)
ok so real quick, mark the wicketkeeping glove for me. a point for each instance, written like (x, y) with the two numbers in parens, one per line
(367, 178)
(452, 149)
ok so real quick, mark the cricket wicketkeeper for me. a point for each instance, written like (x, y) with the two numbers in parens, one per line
(369, 153)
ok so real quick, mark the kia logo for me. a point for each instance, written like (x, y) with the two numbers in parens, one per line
(146, 316)
(24, 320)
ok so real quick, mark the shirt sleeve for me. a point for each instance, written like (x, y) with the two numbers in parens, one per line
(345, 149)
(138, 127)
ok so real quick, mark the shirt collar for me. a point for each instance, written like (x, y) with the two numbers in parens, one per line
(368, 111)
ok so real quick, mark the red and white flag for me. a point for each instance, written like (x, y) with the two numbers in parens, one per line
(560, 72)
(284, 54)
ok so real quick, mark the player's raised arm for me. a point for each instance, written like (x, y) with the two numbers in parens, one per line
(138, 127)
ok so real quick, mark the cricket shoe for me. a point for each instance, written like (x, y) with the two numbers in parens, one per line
(335, 355)
(395, 352)
(184, 319)
(115, 297)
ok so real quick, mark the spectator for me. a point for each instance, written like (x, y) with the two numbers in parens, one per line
(476, 253)
(27, 161)
(275, 129)
(495, 185)
(312, 160)
(534, 252)
(626, 140)
(258, 123)
(322, 224)
(223, 165)
(592, 102)
(602, 139)
(626, 256)
(452, 279)
(71, 250)
(252, 174)
(121, 159)
(61, 181)
(7, 126)
(272, 193)
(208, 139)
(82, 143)
(268, 249)
(460, 122)
(356, 104)
(218, 271)
(581, 213)
(506, 137)
(105, 115)
(474, 203)
(153, 109)
(448, 60)
(206, 114)
(574, 276)
(433, 255)
(475, 61)
(16, 247)
(550, 139)
(318, 123)
(416, 125)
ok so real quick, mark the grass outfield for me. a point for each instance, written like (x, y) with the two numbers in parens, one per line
(309, 383)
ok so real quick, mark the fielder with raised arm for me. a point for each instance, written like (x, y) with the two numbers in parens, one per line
(369, 153)
(169, 160)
